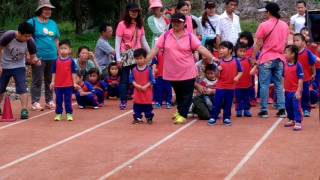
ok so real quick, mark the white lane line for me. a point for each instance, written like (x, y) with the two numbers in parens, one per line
(23, 121)
(253, 150)
(29, 156)
(146, 151)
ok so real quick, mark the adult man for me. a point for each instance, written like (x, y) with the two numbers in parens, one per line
(272, 37)
(297, 22)
(228, 28)
(14, 46)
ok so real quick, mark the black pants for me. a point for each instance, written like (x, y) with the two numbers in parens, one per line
(184, 91)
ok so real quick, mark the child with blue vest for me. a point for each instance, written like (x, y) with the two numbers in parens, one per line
(99, 87)
(142, 79)
(64, 80)
(230, 74)
(293, 85)
(85, 94)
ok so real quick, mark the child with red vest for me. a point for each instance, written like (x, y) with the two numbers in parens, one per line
(243, 87)
(230, 74)
(142, 79)
(308, 60)
(293, 85)
(64, 80)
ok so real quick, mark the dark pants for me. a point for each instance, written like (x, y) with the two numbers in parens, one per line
(163, 87)
(64, 95)
(124, 82)
(306, 96)
(184, 91)
(100, 95)
(19, 76)
(88, 100)
(138, 109)
(293, 107)
(113, 91)
(40, 73)
(243, 99)
(223, 99)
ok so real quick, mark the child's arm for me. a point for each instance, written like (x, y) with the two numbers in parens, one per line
(299, 90)
(133, 81)
(52, 81)
(314, 72)
(237, 78)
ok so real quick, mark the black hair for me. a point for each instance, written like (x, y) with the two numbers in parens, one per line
(110, 65)
(240, 46)
(103, 27)
(210, 67)
(227, 2)
(248, 36)
(301, 36)
(295, 50)
(301, 2)
(25, 28)
(205, 18)
(227, 44)
(181, 4)
(83, 47)
(65, 42)
(94, 70)
(140, 52)
(304, 29)
(127, 19)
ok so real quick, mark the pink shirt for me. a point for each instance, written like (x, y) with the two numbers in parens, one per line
(179, 63)
(128, 37)
(274, 46)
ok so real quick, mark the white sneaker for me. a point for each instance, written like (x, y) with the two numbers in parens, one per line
(36, 107)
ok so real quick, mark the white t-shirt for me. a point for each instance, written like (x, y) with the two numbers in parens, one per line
(298, 21)
(207, 30)
(228, 28)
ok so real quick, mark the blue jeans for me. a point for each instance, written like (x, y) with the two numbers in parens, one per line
(267, 71)
(124, 82)
(163, 87)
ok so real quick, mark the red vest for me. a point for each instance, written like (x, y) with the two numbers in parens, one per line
(142, 78)
(64, 73)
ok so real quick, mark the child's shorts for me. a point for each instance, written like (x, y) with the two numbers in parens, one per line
(19, 76)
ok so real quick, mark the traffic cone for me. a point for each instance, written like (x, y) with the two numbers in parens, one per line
(7, 115)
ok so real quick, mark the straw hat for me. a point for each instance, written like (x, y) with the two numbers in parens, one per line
(155, 3)
(44, 3)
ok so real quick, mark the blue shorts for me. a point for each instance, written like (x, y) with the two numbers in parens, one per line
(19, 76)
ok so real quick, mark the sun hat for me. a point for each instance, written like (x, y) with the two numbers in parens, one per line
(44, 3)
(155, 3)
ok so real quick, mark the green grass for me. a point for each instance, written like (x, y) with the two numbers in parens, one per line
(249, 25)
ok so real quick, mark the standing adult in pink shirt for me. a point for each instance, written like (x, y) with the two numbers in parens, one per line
(130, 35)
(177, 46)
(272, 37)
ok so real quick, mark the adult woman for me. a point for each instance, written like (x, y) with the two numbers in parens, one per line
(46, 37)
(183, 8)
(130, 35)
(177, 46)
(86, 61)
(209, 22)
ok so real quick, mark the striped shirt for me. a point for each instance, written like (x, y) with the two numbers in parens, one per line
(228, 28)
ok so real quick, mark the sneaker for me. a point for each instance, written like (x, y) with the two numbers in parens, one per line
(168, 105)
(123, 105)
(227, 122)
(95, 107)
(263, 114)
(58, 117)
(175, 115)
(36, 107)
(81, 107)
(239, 113)
(281, 113)
(180, 120)
(137, 121)
(69, 117)
(306, 113)
(157, 106)
(24, 114)
(247, 113)
(149, 121)
(212, 122)
(50, 105)
(297, 127)
(290, 123)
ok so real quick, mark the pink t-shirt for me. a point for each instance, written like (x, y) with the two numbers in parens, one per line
(128, 36)
(179, 63)
(274, 45)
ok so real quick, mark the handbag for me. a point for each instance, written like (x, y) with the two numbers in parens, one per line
(127, 57)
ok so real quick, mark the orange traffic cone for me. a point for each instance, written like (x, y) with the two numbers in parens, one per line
(7, 115)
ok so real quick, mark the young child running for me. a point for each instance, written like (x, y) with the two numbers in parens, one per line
(85, 94)
(98, 86)
(142, 79)
(293, 84)
(308, 60)
(113, 80)
(243, 88)
(64, 80)
(230, 74)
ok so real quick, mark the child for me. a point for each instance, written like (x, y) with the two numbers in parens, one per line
(202, 102)
(142, 80)
(113, 80)
(307, 59)
(64, 80)
(230, 74)
(98, 86)
(243, 88)
(293, 84)
(85, 94)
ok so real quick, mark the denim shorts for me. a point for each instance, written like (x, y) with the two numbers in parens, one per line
(19, 76)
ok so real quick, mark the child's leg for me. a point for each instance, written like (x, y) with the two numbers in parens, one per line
(219, 97)
(239, 96)
(80, 99)
(289, 105)
(306, 97)
(246, 99)
(148, 111)
(297, 112)
(59, 99)
(68, 99)
(168, 91)
(100, 95)
(137, 110)
(228, 98)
